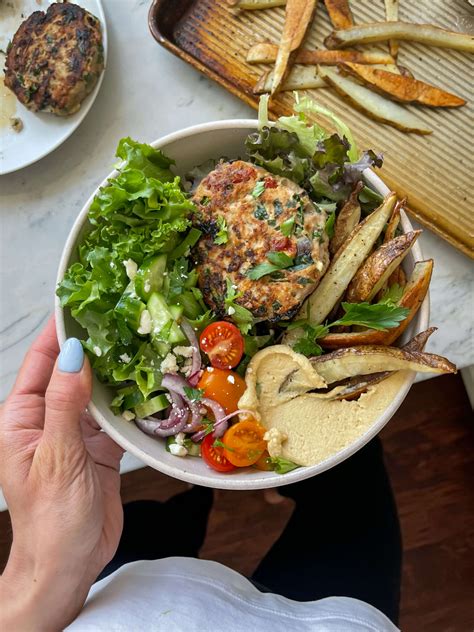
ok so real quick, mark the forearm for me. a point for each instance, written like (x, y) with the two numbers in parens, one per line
(39, 597)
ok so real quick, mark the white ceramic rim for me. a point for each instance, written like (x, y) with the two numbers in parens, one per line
(84, 108)
(255, 482)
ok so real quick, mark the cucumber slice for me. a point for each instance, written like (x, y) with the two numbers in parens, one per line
(176, 310)
(149, 277)
(163, 316)
(188, 242)
(152, 406)
(130, 307)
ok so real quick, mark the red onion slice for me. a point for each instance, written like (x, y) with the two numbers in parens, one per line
(153, 427)
(193, 341)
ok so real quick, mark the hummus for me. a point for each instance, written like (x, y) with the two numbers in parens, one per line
(278, 381)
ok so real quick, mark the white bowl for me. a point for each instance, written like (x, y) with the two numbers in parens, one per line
(189, 147)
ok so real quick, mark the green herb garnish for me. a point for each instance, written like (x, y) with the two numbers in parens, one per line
(193, 394)
(280, 465)
(329, 226)
(222, 236)
(258, 189)
(277, 261)
(287, 227)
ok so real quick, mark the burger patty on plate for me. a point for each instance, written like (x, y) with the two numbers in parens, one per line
(55, 59)
(254, 205)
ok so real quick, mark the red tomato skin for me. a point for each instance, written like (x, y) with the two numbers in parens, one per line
(223, 343)
(214, 457)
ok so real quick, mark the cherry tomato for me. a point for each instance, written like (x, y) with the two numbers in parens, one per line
(244, 443)
(223, 343)
(263, 464)
(214, 456)
(225, 387)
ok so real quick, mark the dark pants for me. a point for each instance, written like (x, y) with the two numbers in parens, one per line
(343, 538)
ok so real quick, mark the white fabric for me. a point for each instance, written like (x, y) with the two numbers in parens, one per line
(187, 595)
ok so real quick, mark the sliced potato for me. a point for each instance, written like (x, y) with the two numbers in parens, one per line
(370, 359)
(298, 18)
(400, 88)
(252, 5)
(391, 15)
(418, 343)
(413, 296)
(343, 267)
(266, 53)
(372, 104)
(384, 31)
(347, 220)
(299, 78)
(398, 276)
(377, 268)
(339, 13)
(403, 70)
(392, 226)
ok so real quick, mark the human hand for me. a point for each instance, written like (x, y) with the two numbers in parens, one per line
(60, 476)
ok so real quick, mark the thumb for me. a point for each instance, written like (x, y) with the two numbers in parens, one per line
(68, 392)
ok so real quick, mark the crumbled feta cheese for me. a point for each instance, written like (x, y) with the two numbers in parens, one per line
(274, 438)
(98, 351)
(145, 323)
(231, 310)
(231, 379)
(187, 368)
(130, 268)
(319, 265)
(147, 286)
(180, 437)
(186, 352)
(128, 415)
(112, 265)
(169, 364)
(210, 369)
(177, 450)
(125, 358)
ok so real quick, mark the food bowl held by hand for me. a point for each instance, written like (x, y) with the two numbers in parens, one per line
(191, 147)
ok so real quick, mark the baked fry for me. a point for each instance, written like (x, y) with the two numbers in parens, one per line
(340, 13)
(266, 53)
(298, 78)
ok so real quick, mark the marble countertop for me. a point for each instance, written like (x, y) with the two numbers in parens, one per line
(147, 93)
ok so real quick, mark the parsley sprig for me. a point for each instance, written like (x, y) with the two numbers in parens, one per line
(276, 261)
(241, 316)
(222, 236)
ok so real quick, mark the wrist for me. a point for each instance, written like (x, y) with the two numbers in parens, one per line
(38, 597)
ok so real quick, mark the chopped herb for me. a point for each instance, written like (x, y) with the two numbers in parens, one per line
(278, 261)
(303, 281)
(219, 444)
(258, 189)
(241, 316)
(193, 394)
(260, 212)
(205, 200)
(278, 208)
(287, 227)
(280, 465)
(272, 222)
(329, 226)
(318, 234)
(222, 236)
(276, 306)
(379, 316)
(392, 294)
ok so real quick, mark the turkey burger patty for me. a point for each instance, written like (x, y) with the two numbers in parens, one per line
(263, 213)
(55, 59)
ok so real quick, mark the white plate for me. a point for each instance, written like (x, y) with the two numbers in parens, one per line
(191, 147)
(42, 132)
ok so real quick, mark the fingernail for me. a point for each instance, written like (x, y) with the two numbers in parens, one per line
(71, 357)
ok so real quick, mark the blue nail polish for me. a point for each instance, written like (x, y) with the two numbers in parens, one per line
(71, 357)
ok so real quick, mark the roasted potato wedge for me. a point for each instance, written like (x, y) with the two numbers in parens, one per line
(413, 296)
(400, 88)
(372, 104)
(298, 18)
(377, 268)
(391, 15)
(343, 267)
(394, 221)
(398, 276)
(299, 78)
(384, 31)
(252, 5)
(370, 359)
(339, 13)
(355, 386)
(266, 53)
(347, 220)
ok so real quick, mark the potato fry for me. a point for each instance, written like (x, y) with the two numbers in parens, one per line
(394, 221)
(400, 88)
(347, 220)
(375, 106)
(370, 359)
(413, 296)
(266, 53)
(384, 31)
(355, 386)
(299, 78)
(252, 5)
(298, 18)
(339, 13)
(391, 15)
(377, 268)
(404, 71)
(343, 267)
